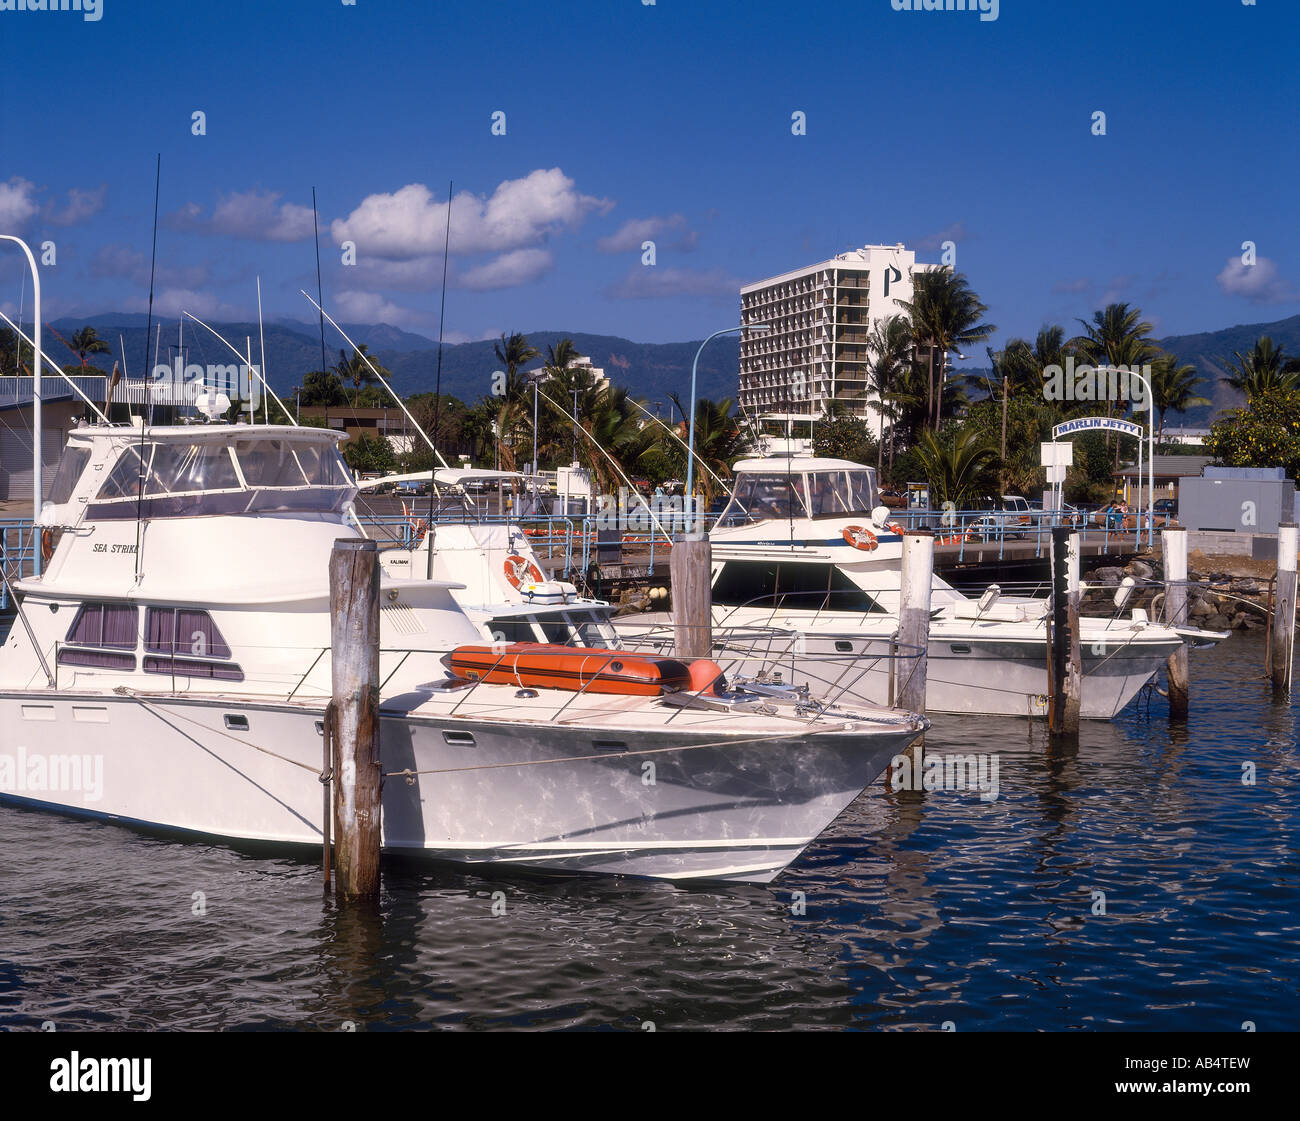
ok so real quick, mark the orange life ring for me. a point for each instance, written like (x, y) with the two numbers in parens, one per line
(47, 544)
(860, 537)
(894, 527)
(520, 570)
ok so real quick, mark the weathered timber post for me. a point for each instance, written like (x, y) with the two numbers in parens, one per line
(1063, 637)
(690, 567)
(914, 634)
(1283, 624)
(1174, 549)
(354, 676)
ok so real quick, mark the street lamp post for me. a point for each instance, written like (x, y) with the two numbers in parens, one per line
(37, 488)
(1151, 456)
(690, 443)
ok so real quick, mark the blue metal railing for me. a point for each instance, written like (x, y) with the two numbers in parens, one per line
(17, 553)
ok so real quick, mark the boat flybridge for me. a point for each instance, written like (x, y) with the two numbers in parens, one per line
(179, 640)
(806, 545)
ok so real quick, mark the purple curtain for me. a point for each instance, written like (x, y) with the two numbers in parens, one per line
(196, 633)
(119, 626)
(160, 629)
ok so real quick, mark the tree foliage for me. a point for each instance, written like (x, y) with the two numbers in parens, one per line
(1266, 433)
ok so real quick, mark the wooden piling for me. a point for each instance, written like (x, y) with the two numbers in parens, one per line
(914, 630)
(690, 567)
(354, 676)
(1174, 551)
(1066, 679)
(1284, 607)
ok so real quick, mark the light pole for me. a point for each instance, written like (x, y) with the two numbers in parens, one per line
(690, 443)
(1151, 454)
(37, 489)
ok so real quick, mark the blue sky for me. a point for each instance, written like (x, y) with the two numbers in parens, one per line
(625, 120)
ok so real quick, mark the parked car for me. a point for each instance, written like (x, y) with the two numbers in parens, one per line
(1168, 506)
(992, 527)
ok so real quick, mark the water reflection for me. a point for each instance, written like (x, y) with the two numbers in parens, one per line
(914, 909)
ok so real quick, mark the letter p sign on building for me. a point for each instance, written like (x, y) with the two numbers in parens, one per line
(892, 276)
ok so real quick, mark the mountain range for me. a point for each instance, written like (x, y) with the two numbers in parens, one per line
(649, 370)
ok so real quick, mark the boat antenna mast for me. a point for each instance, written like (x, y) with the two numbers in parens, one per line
(437, 383)
(148, 365)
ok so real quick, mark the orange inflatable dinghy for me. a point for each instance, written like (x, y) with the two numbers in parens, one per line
(595, 670)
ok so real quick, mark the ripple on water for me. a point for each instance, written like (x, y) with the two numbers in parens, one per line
(1133, 882)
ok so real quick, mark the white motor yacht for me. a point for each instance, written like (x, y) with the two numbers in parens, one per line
(806, 546)
(171, 665)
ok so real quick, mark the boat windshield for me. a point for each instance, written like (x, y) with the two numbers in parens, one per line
(842, 492)
(760, 497)
(817, 494)
(203, 478)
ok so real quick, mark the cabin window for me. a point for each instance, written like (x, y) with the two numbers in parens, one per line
(190, 467)
(280, 463)
(179, 630)
(71, 466)
(186, 643)
(511, 630)
(124, 480)
(812, 587)
(100, 637)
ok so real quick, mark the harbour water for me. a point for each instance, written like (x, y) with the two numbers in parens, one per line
(934, 911)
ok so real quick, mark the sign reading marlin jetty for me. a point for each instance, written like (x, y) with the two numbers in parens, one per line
(1089, 423)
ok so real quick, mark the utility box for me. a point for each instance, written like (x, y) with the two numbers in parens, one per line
(1237, 500)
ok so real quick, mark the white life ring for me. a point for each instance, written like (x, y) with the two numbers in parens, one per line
(860, 537)
(520, 571)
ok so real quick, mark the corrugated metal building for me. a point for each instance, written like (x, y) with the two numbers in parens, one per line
(61, 411)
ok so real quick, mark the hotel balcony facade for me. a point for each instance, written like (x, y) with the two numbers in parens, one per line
(821, 317)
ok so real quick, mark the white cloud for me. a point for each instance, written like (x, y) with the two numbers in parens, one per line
(17, 206)
(647, 283)
(173, 302)
(252, 215)
(80, 205)
(523, 266)
(632, 233)
(370, 307)
(1260, 283)
(410, 222)
(955, 233)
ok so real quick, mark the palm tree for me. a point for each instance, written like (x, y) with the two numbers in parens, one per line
(356, 371)
(87, 341)
(1117, 336)
(719, 440)
(953, 466)
(889, 346)
(1265, 367)
(514, 351)
(1174, 385)
(946, 316)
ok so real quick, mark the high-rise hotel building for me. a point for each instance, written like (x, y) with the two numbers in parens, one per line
(821, 318)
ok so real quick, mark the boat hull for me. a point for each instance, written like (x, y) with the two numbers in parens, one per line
(740, 811)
